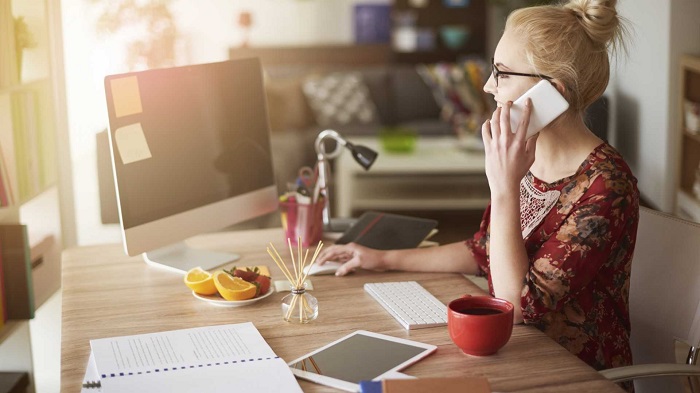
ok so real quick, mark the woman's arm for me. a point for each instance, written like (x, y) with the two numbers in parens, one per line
(508, 157)
(454, 257)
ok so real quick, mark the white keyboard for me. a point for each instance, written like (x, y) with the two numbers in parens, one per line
(409, 303)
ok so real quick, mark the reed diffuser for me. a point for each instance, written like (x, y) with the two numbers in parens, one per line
(299, 306)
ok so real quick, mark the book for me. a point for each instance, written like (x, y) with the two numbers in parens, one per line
(17, 271)
(91, 380)
(220, 358)
(427, 385)
(386, 231)
(3, 305)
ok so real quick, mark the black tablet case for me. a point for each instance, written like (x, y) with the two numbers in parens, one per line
(385, 231)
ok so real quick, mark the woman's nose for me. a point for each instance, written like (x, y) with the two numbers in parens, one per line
(490, 86)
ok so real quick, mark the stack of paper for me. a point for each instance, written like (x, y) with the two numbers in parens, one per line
(208, 359)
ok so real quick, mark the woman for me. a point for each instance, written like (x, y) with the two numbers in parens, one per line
(558, 236)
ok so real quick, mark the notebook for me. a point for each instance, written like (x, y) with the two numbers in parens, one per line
(386, 231)
(207, 359)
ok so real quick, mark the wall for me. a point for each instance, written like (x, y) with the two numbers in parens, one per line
(645, 89)
(208, 29)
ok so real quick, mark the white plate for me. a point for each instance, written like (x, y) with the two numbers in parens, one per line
(221, 302)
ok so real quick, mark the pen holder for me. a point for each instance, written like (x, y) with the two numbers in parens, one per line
(302, 220)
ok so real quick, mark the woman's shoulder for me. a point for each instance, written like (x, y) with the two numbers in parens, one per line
(606, 160)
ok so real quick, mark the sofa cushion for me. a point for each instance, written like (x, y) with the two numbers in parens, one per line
(340, 99)
(412, 97)
(287, 107)
(378, 83)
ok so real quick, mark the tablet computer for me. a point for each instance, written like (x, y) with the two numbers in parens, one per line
(359, 356)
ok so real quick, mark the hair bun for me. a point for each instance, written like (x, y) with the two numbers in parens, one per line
(598, 17)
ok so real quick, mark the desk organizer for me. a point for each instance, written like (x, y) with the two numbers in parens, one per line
(302, 219)
(299, 306)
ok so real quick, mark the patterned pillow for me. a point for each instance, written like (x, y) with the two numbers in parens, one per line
(340, 98)
(457, 88)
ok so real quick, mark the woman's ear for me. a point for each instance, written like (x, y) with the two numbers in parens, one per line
(559, 86)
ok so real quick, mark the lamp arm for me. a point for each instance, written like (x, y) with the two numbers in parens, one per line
(332, 134)
(323, 189)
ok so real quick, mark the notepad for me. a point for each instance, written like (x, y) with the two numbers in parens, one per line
(207, 359)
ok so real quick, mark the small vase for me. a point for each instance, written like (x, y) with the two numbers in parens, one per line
(299, 306)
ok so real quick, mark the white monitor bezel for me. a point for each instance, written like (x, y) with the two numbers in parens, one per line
(175, 228)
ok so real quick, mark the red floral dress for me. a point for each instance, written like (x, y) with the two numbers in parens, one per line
(577, 286)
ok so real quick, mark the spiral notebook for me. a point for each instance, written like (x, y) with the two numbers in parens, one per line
(206, 359)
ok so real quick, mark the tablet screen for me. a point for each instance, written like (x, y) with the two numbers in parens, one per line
(357, 357)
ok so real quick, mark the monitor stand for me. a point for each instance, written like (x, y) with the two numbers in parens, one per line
(181, 258)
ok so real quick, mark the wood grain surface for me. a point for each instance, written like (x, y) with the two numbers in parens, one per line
(107, 294)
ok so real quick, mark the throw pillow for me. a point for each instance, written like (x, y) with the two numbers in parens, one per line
(457, 87)
(287, 107)
(339, 99)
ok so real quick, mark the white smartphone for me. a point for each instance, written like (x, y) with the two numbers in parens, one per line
(547, 105)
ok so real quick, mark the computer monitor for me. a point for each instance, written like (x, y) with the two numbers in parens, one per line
(190, 151)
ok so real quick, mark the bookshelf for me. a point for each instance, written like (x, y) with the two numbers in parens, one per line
(431, 19)
(688, 201)
(35, 187)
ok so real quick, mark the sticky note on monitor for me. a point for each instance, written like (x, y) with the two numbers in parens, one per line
(126, 96)
(132, 144)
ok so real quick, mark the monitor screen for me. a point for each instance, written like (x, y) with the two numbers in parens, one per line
(190, 150)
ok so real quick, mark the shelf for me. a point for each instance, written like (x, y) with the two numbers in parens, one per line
(688, 205)
(437, 55)
(31, 85)
(420, 204)
(9, 328)
(435, 16)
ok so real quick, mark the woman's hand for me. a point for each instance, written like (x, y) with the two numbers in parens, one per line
(352, 256)
(508, 155)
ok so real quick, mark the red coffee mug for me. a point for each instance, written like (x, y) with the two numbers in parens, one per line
(480, 325)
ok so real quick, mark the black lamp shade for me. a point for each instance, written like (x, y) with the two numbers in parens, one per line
(362, 154)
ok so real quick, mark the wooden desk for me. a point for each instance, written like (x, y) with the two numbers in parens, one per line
(107, 294)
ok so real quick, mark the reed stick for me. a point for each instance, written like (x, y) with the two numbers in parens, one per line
(294, 264)
(282, 263)
(281, 266)
(296, 276)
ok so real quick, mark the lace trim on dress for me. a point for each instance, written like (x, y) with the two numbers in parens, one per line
(534, 205)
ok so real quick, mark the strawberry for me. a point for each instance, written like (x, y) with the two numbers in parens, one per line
(247, 275)
(264, 282)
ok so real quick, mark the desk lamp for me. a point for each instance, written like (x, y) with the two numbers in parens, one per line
(362, 154)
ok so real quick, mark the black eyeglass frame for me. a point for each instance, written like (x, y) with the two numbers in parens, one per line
(496, 72)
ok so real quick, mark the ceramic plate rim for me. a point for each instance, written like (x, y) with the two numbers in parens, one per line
(217, 300)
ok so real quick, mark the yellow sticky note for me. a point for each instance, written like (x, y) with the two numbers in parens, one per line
(126, 96)
(132, 144)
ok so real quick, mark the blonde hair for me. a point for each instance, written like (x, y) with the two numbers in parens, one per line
(570, 42)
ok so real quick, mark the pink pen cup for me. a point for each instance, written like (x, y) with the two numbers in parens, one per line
(302, 220)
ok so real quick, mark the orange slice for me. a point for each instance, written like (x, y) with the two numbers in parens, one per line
(233, 288)
(200, 281)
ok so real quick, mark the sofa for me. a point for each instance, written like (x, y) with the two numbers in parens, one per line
(398, 93)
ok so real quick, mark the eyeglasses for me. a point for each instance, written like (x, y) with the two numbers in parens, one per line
(496, 73)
